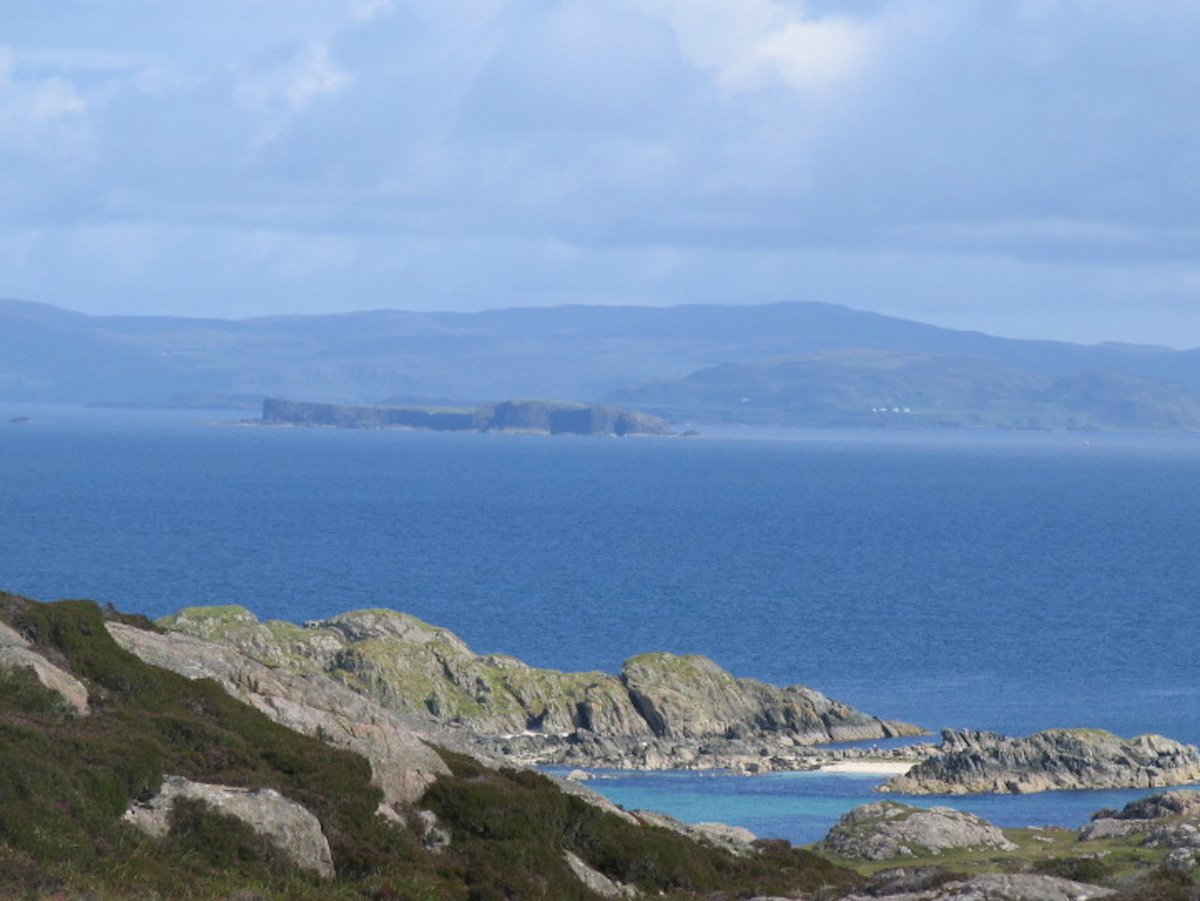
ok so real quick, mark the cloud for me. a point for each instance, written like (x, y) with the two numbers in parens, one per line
(706, 149)
(753, 44)
(39, 114)
(296, 79)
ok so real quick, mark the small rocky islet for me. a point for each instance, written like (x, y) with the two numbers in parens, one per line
(229, 745)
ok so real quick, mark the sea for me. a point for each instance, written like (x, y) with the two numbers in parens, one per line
(1011, 581)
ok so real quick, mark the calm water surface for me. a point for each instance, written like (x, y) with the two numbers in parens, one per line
(1009, 582)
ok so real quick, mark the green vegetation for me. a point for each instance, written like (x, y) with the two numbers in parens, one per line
(515, 824)
(1117, 862)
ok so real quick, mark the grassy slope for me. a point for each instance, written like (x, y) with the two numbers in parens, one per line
(65, 781)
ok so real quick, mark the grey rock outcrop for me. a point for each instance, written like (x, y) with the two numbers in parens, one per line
(285, 823)
(402, 764)
(1168, 820)
(734, 839)
(692, 697)
(885, 830)
(17, 653)
(996, 887)
(1159, 806)
(1056, 759)
(658, 701)
(597, 881)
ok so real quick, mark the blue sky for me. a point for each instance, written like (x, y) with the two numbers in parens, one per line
(1024, 167)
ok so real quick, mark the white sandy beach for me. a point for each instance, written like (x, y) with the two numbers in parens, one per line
(872, 767)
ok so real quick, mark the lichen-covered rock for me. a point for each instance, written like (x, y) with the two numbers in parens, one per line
(1056, 759)
(885, 830)
(692, 697)
(285, 823)
(402, 764)
(397, 745)
(411, 666)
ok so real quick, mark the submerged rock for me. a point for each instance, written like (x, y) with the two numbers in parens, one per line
(884, 830)
(1057, 759)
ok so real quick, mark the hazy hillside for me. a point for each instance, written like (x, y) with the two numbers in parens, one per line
(869, 388)
(576, 353)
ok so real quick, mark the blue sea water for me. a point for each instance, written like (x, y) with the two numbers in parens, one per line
(1002, 581)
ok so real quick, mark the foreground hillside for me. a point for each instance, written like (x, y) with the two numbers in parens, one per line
(69, 773)
(142, 763)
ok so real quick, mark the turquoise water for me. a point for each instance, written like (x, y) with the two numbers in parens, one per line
(801, 806)
(1010, 582)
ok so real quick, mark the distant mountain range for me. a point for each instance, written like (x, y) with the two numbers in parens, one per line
(785, 363)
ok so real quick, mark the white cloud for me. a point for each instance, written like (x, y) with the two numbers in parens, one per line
(39, 114)
(752, 44)
(300, 79)
(366, 10)
(675, 149)
(812, 54)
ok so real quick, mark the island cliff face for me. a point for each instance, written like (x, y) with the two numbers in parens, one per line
(539, 714)
(539, 416)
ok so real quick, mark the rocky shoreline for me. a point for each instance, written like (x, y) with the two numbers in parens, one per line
(665, 712)
(662, 711)
(764, 754)
(972, 762)
(275, 743)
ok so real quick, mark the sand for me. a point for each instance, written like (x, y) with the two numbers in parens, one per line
(870, 767)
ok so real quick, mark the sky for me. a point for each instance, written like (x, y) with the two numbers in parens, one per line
(1022, 167)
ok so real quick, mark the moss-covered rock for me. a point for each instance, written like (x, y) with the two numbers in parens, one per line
(412, 666)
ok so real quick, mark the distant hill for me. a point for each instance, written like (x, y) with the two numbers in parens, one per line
(589, 353)
(879, 388)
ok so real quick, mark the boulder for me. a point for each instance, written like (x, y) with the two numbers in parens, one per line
(885, 830)
(15, 653)
(287, 824)
(734, 839)
(596, 881)
(1056, 759)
